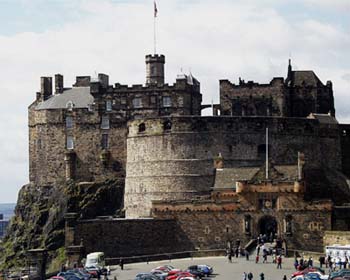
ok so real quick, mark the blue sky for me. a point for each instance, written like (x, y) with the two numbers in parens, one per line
(216, 39)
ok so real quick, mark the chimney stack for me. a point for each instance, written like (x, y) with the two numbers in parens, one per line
(46, 88)
(58, 83)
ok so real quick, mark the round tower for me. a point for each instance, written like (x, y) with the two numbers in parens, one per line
(155, 69)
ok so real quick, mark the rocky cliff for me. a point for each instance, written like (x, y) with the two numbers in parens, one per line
(39, 216)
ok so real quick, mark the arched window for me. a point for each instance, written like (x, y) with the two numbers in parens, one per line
(142, 127)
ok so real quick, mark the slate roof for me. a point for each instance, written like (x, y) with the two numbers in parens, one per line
(226, 178)
(80, 96)
(323, 118)
(307, 78)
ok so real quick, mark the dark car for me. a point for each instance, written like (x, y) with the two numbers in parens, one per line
(196, 271)
(146, 276)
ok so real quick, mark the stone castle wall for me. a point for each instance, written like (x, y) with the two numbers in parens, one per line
(126, 238)
(47, 146)
(174, 164)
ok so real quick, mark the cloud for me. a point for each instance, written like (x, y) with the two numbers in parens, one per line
(214, 39)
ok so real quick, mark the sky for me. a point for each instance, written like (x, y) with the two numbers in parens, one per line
(212, 39)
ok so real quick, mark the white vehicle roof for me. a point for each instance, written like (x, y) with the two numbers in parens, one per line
(95, 254)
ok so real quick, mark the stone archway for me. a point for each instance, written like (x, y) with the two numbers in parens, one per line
(268, 226)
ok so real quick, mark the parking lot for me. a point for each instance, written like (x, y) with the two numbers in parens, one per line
(223, 270)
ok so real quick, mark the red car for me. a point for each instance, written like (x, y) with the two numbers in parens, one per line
(178, 274)
(306, 271)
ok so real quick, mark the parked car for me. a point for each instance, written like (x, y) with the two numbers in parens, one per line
(56, 278)
(185, 278)
(95, 259)
(146, 276)
(81, 272)
(94, 271)
(207, 270)
(197, 272)
(161, 274)
(176, 275)
(70, 274)
(307, 270)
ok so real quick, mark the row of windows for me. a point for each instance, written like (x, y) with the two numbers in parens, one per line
(166, 126)
(137, 102)
(104, 122)
(104, 142)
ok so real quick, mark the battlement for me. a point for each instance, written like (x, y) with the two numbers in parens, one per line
(227, 124)
(242, 83)
(155, 58)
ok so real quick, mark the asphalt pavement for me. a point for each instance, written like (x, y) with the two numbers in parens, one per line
(223, 270)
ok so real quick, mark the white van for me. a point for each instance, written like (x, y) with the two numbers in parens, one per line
(95, 259)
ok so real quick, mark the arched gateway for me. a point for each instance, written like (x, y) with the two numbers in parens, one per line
(268, 226)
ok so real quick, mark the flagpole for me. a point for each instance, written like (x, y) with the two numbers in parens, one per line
(154, 33)
(267, 153)
(154, 26)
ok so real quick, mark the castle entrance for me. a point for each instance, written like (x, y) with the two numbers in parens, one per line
(268, 227)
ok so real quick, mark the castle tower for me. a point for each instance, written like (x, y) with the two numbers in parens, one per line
(155, 69)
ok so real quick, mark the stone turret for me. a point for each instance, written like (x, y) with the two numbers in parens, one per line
(155, 69)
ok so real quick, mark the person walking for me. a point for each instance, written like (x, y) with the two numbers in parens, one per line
(265, 257)
(250, 276)
(284, 277)
(246, 252)
(262, 276)
(279, 262)
(244, 276)
(229, 256)
(257, 259)
(121, 263)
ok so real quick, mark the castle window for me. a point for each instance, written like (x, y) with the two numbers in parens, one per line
(109, 105)
(90, 107)
(70, 143)
(69, 122)
(153, 99)
(104, 141)
(166, 101)
(167, 125)
(105, 122)
(142, 127)
(181, 101)
(123, 101)
(137, 102)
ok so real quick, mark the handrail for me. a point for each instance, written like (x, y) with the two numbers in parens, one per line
(165, 256)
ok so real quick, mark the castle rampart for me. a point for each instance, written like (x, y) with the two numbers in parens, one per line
(172, 158)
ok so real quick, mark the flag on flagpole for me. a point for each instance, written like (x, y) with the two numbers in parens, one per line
(155, 9)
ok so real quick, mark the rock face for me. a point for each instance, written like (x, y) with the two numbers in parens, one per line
(39, 215)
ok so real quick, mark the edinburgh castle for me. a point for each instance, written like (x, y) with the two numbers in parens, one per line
(272, 159)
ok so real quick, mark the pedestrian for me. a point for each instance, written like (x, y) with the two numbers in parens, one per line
(346, 261)
(121, 263)
(258, 249)
(296, 264)
(63, 268)
(250, 276)
(257, 259)
(310, 262)
(321, 261)
(262, 276)
(285, 277)
(244, 276)
(265, 257)
(229, 256)
(246, 252)
(236, 252)
(279, 262)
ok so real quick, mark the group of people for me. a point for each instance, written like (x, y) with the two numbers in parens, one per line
(236, 252)
(334, 263)
(250, 276)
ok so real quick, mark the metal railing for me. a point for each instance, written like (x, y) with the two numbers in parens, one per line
(166, 256)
